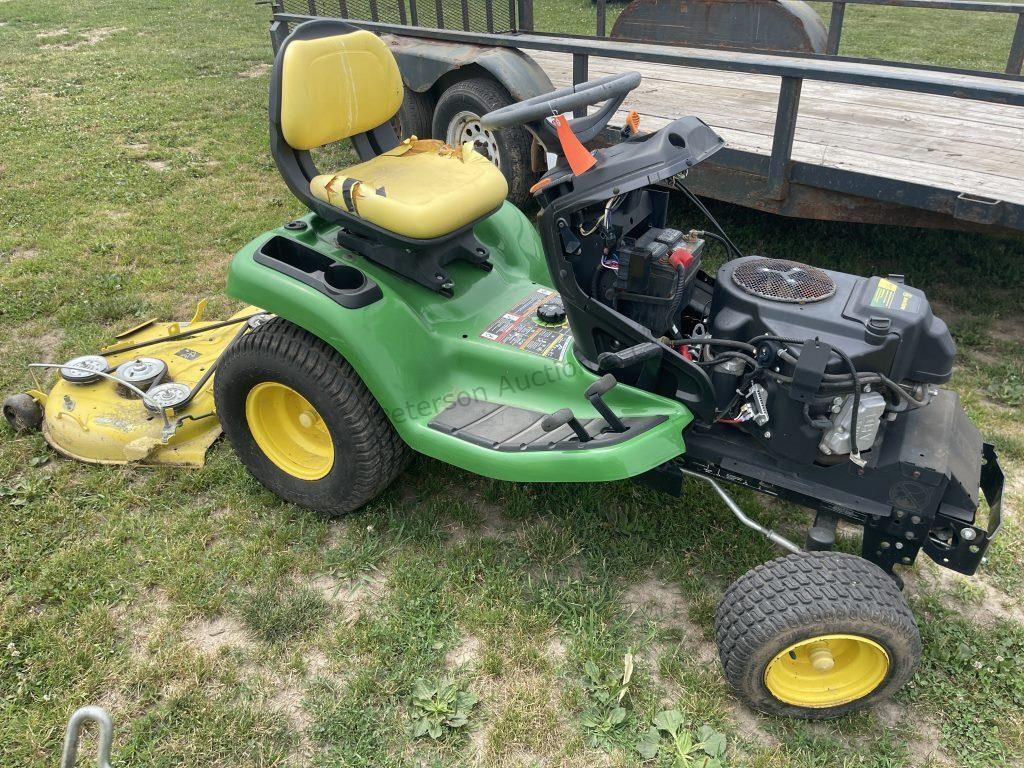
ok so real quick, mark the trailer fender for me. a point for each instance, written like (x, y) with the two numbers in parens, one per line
(423, 63)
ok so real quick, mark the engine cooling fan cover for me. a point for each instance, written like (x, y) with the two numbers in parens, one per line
(782, 280)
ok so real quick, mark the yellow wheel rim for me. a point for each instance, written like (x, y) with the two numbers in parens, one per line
(827, 671)
(289, 431)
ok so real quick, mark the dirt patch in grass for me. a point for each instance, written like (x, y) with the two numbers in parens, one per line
(115, 215)
(992, 604)
(286, 699)
(283, 689)
(48, 34)
(923, 742)
(976, 599)
(555, 650)
(48, 343)
(465, 654)
(147, 620)
(157, 165)
(40, 96)
(256, 70)
(924, 746)
(492, 525)
(22, 253)
(211, 636)
(748, 726)
(88, 38)
(351, 596)
(655, 601)
(1008, 329)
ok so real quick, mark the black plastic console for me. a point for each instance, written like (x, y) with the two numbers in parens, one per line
(344, 283)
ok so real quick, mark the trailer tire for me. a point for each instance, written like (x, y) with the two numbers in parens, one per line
(414, 117)
(302, 421)
(816, 635)
(457, 120)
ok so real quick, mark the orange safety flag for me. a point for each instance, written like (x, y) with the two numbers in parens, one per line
(579, 157)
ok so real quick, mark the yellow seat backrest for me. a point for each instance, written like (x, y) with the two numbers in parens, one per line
(335, 87)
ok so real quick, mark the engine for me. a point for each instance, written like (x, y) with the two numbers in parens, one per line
(811, 333)
(815, 386)
(812, 364)
(784, 342)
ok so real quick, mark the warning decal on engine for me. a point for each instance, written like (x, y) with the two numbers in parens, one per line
(520, 328)
(889, 295)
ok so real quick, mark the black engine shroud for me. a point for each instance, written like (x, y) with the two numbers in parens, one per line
(882, 324)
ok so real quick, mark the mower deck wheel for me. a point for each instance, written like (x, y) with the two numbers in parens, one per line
(302, 421)
(23, 413)
(816, 635)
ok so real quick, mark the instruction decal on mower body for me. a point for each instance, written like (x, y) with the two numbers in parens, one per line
(519, 327)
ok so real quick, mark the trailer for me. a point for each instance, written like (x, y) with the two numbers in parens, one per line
(809, 133)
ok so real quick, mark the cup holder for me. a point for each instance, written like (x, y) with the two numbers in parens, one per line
(342, 277)
(343, 283)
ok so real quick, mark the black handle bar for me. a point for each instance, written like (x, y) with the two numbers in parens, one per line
(611, 90)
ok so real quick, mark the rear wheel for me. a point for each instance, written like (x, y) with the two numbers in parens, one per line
(302, 421)
(457, 120)
(816, 634)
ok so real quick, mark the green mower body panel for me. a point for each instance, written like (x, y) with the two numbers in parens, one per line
(419, 353)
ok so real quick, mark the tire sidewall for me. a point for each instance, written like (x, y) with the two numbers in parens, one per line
(414, 117)
(232, 392)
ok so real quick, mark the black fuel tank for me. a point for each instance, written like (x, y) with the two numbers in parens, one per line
(884, 325)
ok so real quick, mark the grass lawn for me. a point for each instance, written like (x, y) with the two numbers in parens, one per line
(222, 627)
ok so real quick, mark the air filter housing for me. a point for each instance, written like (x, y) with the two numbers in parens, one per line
(883, 324)
(781, 280)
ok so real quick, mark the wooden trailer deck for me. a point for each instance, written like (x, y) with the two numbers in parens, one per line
(970, 149)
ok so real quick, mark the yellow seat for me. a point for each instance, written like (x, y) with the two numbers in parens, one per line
(334, 82)
(422, 189)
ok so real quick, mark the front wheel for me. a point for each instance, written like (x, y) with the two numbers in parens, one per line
(815, 635)
(302, 421)
(457, 120)
(23, 412)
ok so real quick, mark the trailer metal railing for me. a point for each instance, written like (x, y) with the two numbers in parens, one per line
(1014, 61)
(499, 16)
(469, 16)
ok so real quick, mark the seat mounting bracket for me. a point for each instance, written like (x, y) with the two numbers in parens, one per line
(426, 267)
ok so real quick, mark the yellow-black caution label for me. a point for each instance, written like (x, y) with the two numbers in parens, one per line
(890, 295)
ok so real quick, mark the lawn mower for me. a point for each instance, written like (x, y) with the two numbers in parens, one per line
(414, 310)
